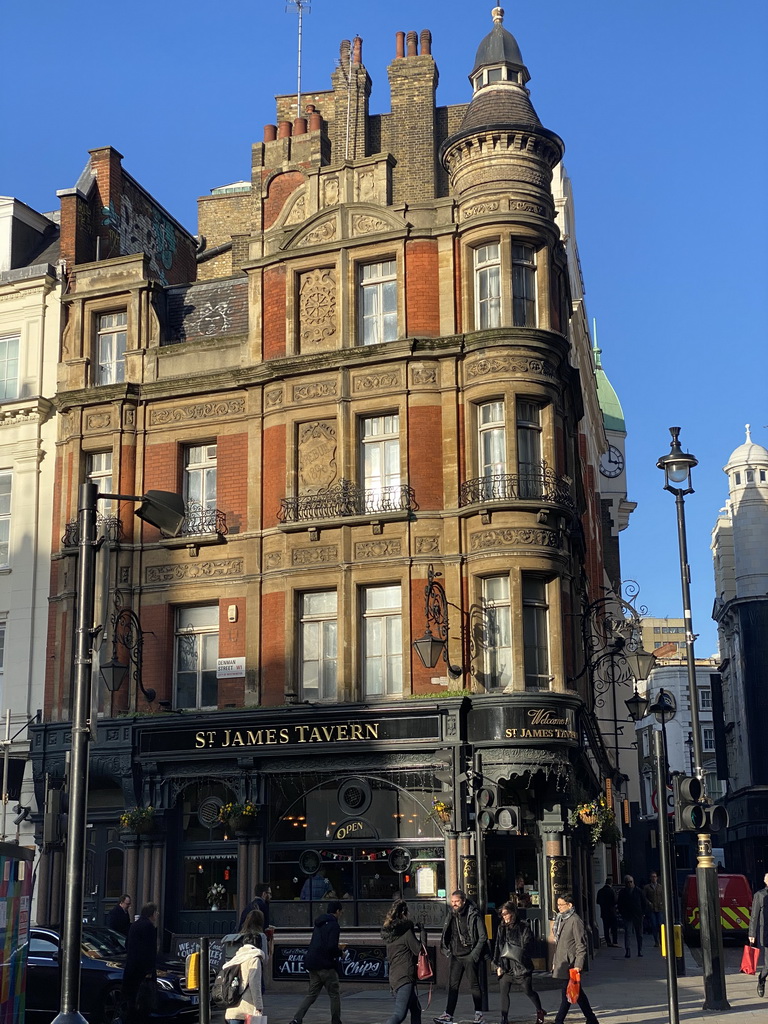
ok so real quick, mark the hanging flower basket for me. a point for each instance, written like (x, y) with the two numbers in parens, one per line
(238, 817)
(598, 817)
(442, 812)
(139, 819)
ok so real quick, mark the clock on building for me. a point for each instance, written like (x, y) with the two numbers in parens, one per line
(612, 462)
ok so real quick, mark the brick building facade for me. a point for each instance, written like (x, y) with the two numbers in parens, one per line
(371, 364)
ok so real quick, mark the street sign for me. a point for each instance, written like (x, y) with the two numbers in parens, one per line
(670, 801)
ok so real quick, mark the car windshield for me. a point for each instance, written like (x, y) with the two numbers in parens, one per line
(103, 943)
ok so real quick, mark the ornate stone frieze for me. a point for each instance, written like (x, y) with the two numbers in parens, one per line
(366, 185)
(316, 389)
(378, 381)
(510, 364)
(298, 211)
(198, 411)
(367, 549)
(510, 536)
(274, 398)
(317, 555)
(98, 420)
(520, 206)
(317, 310)
(129, 417)
(273, 560)
(424, 375)
(317, 456)
(181, 571)
(323, 232)
(478, 209)
(330, 192)
(365, 224)
(427, 546)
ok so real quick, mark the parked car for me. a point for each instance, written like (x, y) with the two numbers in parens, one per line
(101, 976)
(735, 908)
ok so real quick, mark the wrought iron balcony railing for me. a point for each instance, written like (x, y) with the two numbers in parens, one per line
(108, 527)
(346, 499)
(539, 484)
(199, 520)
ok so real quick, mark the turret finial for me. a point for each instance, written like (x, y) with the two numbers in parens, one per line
(749, 435)
(498, 15)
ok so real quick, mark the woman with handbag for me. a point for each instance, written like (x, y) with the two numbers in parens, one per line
(403, 948)
(250, 958)
(512, 959)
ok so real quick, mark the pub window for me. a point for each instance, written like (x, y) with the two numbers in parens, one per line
(382, 641)
(197, 650)
(318, 645)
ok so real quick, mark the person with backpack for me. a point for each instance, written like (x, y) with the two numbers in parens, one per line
(322, 962)
(403, 947)
(238, 983)
(512, 959)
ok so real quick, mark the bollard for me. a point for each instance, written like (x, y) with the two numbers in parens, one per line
(205, 980)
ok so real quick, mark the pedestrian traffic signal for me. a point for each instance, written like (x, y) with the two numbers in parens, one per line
(692, 812)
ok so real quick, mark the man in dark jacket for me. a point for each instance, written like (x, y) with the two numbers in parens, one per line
(632, 906)
(464, 941)
(260, 901)
(119, 917)
(322, 962)
(140, 963)
(606, 901)
(758, 931)
(570, 952)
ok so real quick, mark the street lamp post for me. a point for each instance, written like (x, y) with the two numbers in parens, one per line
(166, 511)
(677, 466)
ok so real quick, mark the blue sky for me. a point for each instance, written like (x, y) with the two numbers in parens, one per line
(662, 107)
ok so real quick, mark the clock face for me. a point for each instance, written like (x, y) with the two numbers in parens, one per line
(612, 462)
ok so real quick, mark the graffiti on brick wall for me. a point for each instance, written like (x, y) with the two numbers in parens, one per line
(146, 230)
(207, 310)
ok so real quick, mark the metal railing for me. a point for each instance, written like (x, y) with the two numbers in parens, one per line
(534, 484)
(108, 527)
(346, 499)
(200, 520)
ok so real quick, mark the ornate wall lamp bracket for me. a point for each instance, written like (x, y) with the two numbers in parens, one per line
(432, 645)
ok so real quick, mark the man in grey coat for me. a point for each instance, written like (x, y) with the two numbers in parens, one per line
(758, 931)
(570, 951)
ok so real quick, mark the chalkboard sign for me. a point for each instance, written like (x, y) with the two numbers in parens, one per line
(183, 945)
(361, 963)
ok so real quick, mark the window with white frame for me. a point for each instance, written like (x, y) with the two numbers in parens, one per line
(382, 641)
(197, 650)
(9, 368)
(715, 787)
(318, 645)
(5, 516)
(380, 442)
(497, 632)
(200, 476)
(705, 699)
(529, 448)
(492, 444)
(523, 285)
(535, 633)
(708, 738)
(487, 286)
(110, 343)
(98, 470)
(378, 302)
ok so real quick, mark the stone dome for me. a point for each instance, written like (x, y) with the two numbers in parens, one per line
(747, 454)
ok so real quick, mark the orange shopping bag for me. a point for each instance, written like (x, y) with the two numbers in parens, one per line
(573, 989)
(749, 959)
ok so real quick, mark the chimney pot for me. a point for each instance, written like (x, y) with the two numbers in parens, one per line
(411, 43)
(270, 132)
(399, 44)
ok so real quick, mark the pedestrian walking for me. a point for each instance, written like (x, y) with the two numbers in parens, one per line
(654, 897)
(632, 905)
(512, 960)
(758, 930)
(606, 901)
(250, 958)
(463, 941)
(570, 953)
(119, 917)
(322, 962)
(140, 972)
(399, 933)
(260, 901)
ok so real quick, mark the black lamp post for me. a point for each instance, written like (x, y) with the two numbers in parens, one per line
(166, 511)
(430, 647)
(677, 466)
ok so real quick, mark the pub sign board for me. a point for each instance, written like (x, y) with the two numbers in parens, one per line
(358, 963)
(540, 724)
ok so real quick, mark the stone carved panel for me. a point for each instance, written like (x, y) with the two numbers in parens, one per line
(427, 546)
(330, 192)
(366, 186)
(129, 417)
(324, 232)
(321, 555)
(510, 364)
(367, 549)
(273, 560)
(98, 420)
(319, 389)
(478, 209)
(512, 535)
(365, 224)
(318, 323)
(201, 411)
(317, 456)
(182, 571)
(274, 398)
(424, 375)
(298, 211)
(377, 381)
(521, 206)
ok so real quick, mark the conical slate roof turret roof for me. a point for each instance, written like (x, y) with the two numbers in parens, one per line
(499, 46)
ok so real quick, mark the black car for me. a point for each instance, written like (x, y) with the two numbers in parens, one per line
(101, 979)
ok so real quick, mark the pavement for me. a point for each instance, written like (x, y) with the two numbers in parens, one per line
(621, 991)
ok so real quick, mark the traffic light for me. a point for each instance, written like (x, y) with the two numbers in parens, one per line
(691, 814)
(490, 816)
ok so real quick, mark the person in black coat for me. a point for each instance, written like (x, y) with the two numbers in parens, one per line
(758, 931)
(463, 941)
(606, 901)
(632, 907)
(322, 962)
(119, 917)
(512, 959)
(403, 946)
(260, 901)
(140, 963)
